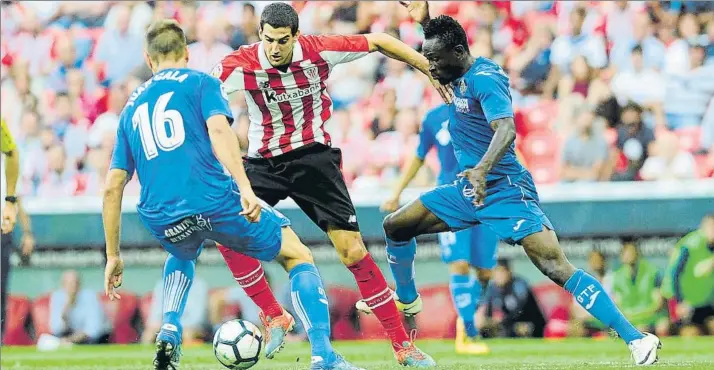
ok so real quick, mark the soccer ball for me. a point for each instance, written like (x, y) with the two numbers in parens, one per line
(237, 344)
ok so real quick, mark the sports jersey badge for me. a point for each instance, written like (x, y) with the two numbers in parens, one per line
(217, 71)
(311, 73)
(462, 86)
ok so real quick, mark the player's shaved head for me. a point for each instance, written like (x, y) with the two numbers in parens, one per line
(447, 49)
(165, 40)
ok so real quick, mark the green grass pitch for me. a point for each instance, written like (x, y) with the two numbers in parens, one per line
(677, 353)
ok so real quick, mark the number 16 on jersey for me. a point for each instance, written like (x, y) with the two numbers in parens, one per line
(166, 132)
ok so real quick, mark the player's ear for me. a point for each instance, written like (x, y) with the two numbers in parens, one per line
(460, 51)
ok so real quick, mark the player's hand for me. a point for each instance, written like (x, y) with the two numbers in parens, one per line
(113, 274)
(251, 206)
(28, 244)
(477, 178)
(445, 91)
(418, 10)
(390, 205)
(9, 217)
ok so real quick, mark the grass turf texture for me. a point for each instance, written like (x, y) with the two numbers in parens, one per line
(677, 353)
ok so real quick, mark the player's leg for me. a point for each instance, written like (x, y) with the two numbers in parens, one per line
(456, 252)
(310, 301)
(318, 187)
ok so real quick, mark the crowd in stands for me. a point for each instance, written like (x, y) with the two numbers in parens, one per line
(604, 91)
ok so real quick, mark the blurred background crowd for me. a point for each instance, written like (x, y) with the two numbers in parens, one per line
(604, 91)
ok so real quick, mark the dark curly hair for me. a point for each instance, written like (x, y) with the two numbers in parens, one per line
(447, 30)
(280, 15)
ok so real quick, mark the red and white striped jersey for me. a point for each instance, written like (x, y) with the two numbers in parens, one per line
(288, 109)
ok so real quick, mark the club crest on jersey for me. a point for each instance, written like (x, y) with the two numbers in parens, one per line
(312, 73)
(217, 71)
(462, 86)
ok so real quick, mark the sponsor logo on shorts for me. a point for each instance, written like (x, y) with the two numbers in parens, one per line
(184, 229)
(518, 225)
(352, 219)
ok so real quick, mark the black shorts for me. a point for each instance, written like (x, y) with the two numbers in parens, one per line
(312, 177)
(700, 315)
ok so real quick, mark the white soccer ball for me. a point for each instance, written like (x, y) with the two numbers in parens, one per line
(237, 344)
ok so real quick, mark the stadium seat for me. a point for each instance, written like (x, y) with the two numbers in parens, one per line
(41, 315)
(18, 315)
(550, 296)
(438, 319)
(343, 312)
(540, 145)
(539, 118)
(121, 314)
(544, 170)
(689, 138)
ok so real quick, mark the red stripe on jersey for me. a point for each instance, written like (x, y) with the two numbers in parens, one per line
(251, 87)
(324, 70)
(276, 83)
(308, 134)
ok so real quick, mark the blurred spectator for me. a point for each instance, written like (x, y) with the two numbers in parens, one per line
(585, 152)
(581, 323)
(669, 162)
(640, 84)
(577, 43)
(582, 81)
(205, 53)
(642, 35)
(60, 179)
(689, 93)
(409, 86)
(108, 121)
(689, 280)
(120, 49)
(67, 60)
(633, 144)
(72, 132)
(76, 315)
(247, 30)
(194, 319)
(676, 58)
(531, 65)
(520, 314)
(637, 291)
(384, 120)
(30, 43)
(94, 173)
(140, 16)
(707, 139)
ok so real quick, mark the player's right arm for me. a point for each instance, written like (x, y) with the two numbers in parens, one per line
(120, 171)
(217, 113)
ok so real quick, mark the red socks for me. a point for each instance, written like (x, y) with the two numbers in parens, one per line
(249, 274)
(378, 297)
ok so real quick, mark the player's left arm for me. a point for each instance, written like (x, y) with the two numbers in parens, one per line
(491, 90)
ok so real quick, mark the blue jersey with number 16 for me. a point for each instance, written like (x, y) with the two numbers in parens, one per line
(163, 135)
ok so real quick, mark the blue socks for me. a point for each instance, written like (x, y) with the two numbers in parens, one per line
(400, 256)
(590, 294)
(466, 293)
(178, 277)
(310, 305)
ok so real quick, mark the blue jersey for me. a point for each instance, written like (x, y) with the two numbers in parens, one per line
(480, 97)
(435, 132)
(162, 135)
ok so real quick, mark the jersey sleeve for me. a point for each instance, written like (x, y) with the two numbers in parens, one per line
(7, 143)
(336, 49)
(121, 156)
(491, 91)
(426, 140)
(232, 68)
(214, 99)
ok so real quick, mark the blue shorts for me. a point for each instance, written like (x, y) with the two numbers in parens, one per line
(184, 238)
(476, 245)
(511, 208)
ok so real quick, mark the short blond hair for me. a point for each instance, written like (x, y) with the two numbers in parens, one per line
(165, 39)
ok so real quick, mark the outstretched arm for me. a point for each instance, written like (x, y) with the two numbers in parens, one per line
(111, 209)
(504, 135)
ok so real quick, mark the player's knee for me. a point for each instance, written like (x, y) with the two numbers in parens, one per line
(460, 268)
(352, 251)
(392, 229)
(483, 275)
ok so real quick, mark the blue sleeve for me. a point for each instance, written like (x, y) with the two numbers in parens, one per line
(214, 100)
(491, 91)
(121, 156)
(93, 314)
(426, 140)
(57, 302)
